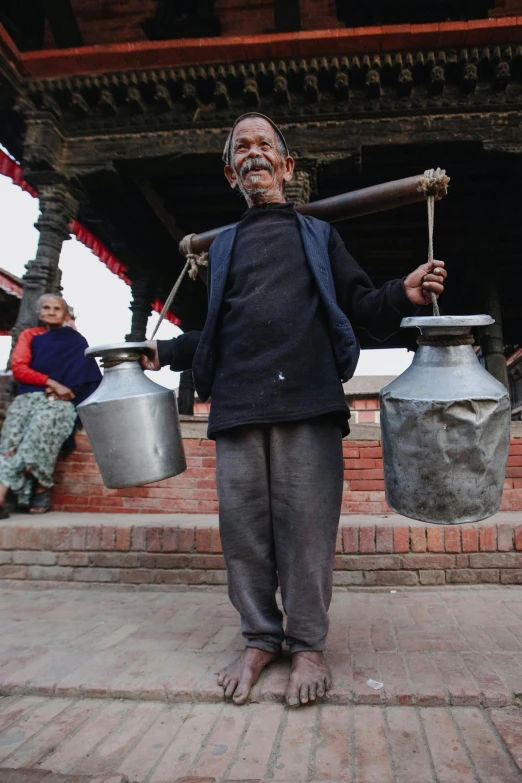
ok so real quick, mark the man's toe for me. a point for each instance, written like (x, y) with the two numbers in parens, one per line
(231, 687)
(221, 678)
(304, 694)
(292, 693)
(313, 691)
(241, 695)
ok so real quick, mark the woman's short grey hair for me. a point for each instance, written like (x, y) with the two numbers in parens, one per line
(41, 299)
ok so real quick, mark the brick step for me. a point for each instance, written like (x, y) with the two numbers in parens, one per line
(185, 549)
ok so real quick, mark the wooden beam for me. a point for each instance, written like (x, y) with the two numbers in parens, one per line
(63, 24)
(157, 205)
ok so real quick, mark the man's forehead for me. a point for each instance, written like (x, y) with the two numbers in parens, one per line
(254, 126)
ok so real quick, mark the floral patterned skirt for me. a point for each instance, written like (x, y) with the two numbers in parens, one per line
(32, 435)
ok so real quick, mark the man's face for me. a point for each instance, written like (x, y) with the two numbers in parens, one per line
(258, 167)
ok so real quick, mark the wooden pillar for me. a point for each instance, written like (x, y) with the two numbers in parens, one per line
(492, 338)
(57, 208)
(140, 308)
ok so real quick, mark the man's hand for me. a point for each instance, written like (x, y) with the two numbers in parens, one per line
(58, 390)
(424, 280)
(150, 359)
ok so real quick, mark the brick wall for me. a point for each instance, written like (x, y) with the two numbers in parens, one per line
(79, 486)
(319, 15)
(118, 22)
(365, 410)
(245, 17)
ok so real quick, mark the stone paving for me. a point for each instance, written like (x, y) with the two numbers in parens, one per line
(104, 681)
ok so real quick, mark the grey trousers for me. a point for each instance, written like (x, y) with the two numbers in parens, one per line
(280, 492)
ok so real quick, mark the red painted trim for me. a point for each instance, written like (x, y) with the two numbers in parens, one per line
(10, 168)
(52, 63)
(9, 284)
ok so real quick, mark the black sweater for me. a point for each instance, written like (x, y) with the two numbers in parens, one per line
(275, 358)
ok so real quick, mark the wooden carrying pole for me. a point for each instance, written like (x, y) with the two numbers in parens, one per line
(366, 201)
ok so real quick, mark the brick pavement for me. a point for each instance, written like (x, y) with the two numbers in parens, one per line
(103, 681)
(104, 741)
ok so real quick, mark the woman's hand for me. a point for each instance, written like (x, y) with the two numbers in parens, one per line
(59, 390)
(425, 279)
(150, 359)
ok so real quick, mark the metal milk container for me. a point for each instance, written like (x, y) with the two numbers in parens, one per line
(131, 422)
(445, 428)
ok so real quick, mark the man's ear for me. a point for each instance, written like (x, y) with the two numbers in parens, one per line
(230, 174)
(289, 168)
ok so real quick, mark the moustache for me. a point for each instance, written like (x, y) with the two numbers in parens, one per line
(255, 163)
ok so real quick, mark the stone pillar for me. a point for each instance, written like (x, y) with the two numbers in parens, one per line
(186, 393)
(140, 308)
(57, 208)
(492, 338)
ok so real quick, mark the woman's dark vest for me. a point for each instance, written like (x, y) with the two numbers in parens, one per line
(315, 235)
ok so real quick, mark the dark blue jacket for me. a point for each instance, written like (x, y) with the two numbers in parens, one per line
(315, 235)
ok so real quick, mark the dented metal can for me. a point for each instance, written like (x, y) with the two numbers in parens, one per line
(445, 428)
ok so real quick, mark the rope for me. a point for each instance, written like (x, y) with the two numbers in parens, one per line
(107, 363)
(431, 220)
(434, 185)
(446, 342)
(194, 260)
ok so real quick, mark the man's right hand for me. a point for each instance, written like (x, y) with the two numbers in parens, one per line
(150, 359)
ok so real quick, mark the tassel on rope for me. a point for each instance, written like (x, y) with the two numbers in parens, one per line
(191, 266)
(434, 185)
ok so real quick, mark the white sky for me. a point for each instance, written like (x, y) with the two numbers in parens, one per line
(99, 298)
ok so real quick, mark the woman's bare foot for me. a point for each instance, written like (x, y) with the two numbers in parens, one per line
(237, 678)
(310, 678)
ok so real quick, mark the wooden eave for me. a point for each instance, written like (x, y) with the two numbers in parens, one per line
(62, 63)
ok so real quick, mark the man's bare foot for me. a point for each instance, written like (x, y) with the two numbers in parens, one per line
(237, 678)
(310, 678)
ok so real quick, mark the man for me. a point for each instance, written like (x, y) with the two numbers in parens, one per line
(276, 346)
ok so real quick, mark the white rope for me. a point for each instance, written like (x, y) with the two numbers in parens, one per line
(194, 261)
(431, 222)
(434, 184)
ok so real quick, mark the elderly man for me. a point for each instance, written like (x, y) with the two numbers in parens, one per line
(278, 341)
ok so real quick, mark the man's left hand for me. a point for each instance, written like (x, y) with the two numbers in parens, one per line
(425, 279)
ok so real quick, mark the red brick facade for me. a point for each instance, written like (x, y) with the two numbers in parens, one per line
(111, 22)
(79, 486)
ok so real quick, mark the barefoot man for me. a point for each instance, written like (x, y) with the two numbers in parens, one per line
(277, 344)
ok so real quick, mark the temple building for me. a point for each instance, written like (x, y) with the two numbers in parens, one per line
(115, 116)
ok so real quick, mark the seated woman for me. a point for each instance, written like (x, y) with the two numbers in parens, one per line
(54, 376)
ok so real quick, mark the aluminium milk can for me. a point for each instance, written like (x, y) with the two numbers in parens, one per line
(445, 428)
(132, 422)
